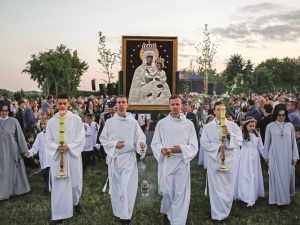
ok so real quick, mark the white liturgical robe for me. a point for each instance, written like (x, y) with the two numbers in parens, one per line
(65, 193)
(221, 184)
(249, 183)
(122, 164)
(39, 147)
(174, 182)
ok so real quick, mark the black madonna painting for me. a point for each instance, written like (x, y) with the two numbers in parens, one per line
(149, 69)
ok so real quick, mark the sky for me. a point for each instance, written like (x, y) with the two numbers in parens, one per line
(255, 29)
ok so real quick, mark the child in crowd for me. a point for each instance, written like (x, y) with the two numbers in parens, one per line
(88, 147)
(249, 181)
(39, 148)
(297, 167)
(94, 132)
(30, 162)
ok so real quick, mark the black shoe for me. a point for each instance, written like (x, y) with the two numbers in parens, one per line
(78, 209)
(166, 220)
(124, 222)
(54, 222)
(116, 219)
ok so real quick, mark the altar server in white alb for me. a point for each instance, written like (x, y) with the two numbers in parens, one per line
(249, 183)
(221, 184)
(176, 133)
(122, 138)
(39, 147)
(281, 153)
(65, 192)
(88, 147)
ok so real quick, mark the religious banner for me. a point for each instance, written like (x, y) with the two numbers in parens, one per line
(149, 66)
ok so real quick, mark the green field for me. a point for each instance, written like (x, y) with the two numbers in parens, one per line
(34, 207)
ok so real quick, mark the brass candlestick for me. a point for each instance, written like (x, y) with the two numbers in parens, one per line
(222, 167)
(61, 173)
(169, 153)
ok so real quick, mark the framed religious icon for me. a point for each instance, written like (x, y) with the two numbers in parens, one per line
(149, 66)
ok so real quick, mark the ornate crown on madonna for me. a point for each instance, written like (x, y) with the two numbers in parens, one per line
(149, 46)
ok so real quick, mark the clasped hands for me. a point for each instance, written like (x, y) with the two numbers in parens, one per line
(62, 149)
(175, 149)
(121, 144)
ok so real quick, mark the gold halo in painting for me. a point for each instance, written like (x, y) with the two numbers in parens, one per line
(156, 54)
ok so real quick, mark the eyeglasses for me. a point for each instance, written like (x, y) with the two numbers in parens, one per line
(281, 115)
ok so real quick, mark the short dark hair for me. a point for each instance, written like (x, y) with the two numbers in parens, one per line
(218, 103)
(251, 101)
(28, 135)
(294, 103)
(32, 101)
(21, 102)
(63, 96)
(88, 116)
(49, 97)
(268, 108)
(123, 96)
(174, 97)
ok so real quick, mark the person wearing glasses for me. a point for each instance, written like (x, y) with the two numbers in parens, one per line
(13, 178)
(281, 154)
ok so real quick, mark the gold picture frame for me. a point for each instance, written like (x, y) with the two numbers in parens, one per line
(164, 51)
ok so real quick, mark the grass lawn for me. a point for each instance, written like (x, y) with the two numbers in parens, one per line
(34, 207)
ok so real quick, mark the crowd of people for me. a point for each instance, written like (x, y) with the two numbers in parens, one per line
(65, 135)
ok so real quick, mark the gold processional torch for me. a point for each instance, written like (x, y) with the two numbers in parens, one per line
(61, 142)
(223, 168)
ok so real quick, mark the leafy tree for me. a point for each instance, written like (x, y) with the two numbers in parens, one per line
(274, 66)
(205, 61)
(56, 70)
(18, 95)
(262, 80)
(107, 58)
(234, 66)
(186, 77)
(247, 72)
(286, 70)
(6, 93)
